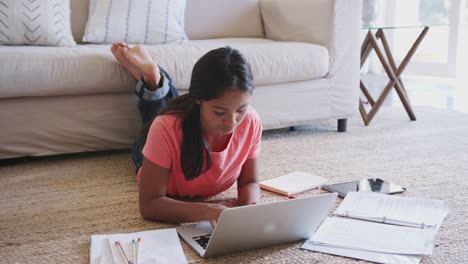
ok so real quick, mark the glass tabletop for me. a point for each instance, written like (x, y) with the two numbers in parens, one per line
(377, 26)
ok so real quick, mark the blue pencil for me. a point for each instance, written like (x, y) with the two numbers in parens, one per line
(134, 252)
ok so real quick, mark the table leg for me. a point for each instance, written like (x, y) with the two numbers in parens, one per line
(399, 88)
(394, 73)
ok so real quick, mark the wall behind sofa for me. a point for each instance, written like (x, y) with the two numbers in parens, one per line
(79, 17)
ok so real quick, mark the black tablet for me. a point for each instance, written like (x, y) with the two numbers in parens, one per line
(368, 185)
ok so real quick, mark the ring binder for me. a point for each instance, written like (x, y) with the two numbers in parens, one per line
(386, 209)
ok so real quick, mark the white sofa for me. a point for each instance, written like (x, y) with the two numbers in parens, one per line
(304, 55)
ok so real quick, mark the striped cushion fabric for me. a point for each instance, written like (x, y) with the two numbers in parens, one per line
(136, 21)
(35, 22)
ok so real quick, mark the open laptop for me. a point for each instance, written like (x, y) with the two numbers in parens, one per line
(257, 226)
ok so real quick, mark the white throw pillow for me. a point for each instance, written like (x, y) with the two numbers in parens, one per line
(35, 22)
(136, 21)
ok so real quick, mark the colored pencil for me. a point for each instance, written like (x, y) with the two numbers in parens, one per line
(137, 250)
(134, 251)
(122, 252)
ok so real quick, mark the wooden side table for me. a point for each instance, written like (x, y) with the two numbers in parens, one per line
(393, 72)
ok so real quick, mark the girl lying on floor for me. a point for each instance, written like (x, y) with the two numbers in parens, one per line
(198, 144)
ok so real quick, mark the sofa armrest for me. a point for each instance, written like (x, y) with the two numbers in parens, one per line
(335, 24)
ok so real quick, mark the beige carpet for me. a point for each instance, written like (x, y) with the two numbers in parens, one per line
(50, 206)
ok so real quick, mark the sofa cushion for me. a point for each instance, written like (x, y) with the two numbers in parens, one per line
(233, 19)
(144, 22)
(45, 22)
(239, 18)
(92, 69)
(271, 62)
(299, 20)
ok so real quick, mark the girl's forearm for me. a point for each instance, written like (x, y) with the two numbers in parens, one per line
(169, 210)
(249, 193)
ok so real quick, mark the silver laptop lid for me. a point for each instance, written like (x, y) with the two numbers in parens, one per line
(263, 225)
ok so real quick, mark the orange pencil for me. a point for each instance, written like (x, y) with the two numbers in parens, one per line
(137, 250)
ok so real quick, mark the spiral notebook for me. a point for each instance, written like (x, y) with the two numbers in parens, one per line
(394, 210)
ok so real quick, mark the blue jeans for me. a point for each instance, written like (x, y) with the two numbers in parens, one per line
(149, 110)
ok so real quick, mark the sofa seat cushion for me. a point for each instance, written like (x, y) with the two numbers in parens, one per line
(92, 69)
(271, 62)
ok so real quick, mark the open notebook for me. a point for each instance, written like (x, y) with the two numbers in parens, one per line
(292, 183)
(156, 246)
(394, 210)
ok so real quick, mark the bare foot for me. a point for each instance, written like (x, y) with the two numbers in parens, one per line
(139, 57)
(120, 50)
(138, 62)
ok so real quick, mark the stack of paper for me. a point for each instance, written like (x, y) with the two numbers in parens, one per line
(156, 246)
(380, 228)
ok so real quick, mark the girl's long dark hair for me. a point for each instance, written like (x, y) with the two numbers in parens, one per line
(217, 71)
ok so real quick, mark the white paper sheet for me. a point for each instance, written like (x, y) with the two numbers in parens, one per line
(371, 236)
(157, 246)
(379, 257)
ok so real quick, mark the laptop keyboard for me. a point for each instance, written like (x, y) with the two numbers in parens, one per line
(202, 240)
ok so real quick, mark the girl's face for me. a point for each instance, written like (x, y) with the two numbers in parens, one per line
(221, 115)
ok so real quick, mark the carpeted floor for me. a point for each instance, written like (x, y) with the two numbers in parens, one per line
(51, 206)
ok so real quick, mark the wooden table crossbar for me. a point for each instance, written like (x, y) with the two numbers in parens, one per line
(393, 72)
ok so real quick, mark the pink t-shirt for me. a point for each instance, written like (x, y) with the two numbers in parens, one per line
(163, 147)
